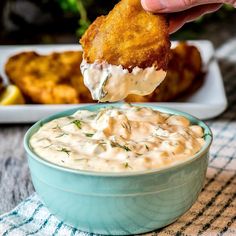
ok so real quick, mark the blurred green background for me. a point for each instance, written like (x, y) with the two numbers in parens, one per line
(64, 21)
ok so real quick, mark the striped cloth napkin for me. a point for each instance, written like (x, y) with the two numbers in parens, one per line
(31, 217)
(214, 213)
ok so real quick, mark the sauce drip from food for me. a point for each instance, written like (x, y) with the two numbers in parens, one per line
(118, 139)
(113, 83)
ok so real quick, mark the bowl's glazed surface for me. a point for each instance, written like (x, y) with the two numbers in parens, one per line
(119, 203)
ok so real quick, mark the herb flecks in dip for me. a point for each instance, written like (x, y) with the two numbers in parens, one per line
(118, 139)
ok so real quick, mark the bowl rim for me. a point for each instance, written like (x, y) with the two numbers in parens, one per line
(34, 128)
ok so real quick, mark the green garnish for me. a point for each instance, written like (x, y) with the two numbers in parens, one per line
(100, 114)
(78, 123)
(70, 117)
(114, 144)
(146, 147)
(126, 148)
(89, 135)
(129, 104)
(138, 108)
(61, 135)
(102, 146)
(64, 150)
(81, 159)
(104, 93)
(48, 146)
(102, 142)
(92, 116)
(127, 165)
(42, 139)
(126, 126)
(57, 127)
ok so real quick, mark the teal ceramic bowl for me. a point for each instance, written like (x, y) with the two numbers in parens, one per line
(118, 203)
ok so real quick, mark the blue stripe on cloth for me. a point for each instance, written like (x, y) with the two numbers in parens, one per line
(41, 227)
(15, 212)
(38, 221)
(57, 228)
(73, 231)
(24, 222)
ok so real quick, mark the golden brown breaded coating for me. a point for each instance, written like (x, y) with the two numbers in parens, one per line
(184, 75)
(48, 79)
(128, 36)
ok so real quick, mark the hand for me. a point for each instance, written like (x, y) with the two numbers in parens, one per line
(183, 11)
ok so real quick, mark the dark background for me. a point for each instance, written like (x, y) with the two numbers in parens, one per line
(64, 21)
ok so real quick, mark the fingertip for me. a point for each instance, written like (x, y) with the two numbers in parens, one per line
(145, 5)
(175, 26)
(152, 5)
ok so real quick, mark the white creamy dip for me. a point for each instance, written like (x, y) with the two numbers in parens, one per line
(128, 138)
(111, 83)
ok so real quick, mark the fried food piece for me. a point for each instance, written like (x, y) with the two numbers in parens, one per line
(125, 52)
(183, 77)
(50, 79)
(128, 36)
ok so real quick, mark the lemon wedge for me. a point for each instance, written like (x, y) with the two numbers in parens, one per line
(11, 96)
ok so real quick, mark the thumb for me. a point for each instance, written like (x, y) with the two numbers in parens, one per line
(167, 6)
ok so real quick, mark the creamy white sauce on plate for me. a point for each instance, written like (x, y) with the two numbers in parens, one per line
(111, 83)
(119, 139)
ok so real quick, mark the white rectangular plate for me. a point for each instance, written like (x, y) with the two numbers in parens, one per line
(207, 102)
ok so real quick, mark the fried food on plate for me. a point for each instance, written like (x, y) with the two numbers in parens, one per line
(56, 78)
(125, 52)
(48, 79)
(183, 77)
